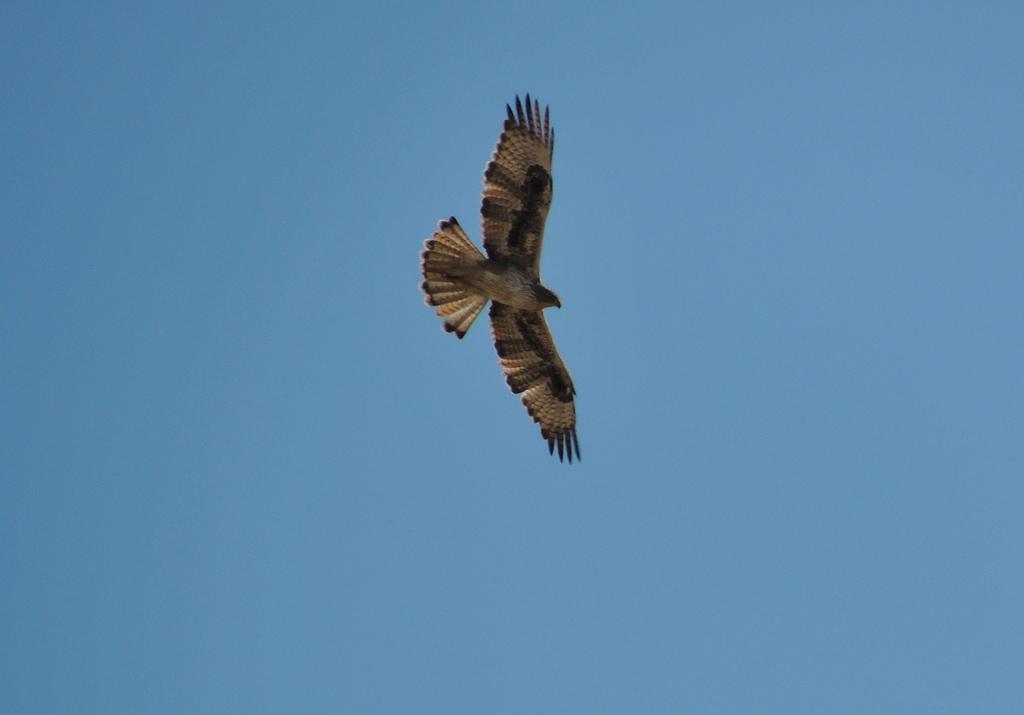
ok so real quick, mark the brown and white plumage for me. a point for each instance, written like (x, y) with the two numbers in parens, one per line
(518, 188)
(533, 367)
(459, 281)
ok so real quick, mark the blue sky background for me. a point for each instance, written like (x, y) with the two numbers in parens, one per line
(244, 470)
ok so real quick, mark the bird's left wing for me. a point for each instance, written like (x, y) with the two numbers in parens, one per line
(518, 188)
(533, 367)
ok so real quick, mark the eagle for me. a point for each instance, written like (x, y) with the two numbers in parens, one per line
(459, 280)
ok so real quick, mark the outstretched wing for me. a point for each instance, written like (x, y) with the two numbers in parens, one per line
(532, 367)
(518, 188)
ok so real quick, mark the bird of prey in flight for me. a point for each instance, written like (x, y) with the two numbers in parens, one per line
(459, 280)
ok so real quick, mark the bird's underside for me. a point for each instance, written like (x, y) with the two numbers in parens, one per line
(459, 280)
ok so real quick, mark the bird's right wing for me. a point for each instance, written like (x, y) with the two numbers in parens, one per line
(518, 188)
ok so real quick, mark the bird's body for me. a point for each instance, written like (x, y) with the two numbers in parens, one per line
(508, 284)
(459, 280)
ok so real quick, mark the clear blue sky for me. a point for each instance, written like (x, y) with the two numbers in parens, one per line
(244, 470)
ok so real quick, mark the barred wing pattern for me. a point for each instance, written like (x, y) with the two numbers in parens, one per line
(533, 367)
(518, 188)
(458, 281)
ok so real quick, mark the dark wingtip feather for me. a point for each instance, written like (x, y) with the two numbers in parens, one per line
(567, 442)
(519, 112)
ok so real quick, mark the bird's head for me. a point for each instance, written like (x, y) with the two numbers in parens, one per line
(546, 297)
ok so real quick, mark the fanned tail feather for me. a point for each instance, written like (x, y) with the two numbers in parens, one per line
(448, 254)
